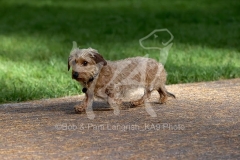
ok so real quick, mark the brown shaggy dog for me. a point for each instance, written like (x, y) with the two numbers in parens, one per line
(109, 80)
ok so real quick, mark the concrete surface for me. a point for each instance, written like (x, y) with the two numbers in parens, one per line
(202, 123)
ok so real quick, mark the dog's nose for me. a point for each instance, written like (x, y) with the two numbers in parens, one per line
(75, 75)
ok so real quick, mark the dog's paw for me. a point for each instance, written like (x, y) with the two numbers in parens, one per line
(163, 100)
(80, 109)
(136, 103)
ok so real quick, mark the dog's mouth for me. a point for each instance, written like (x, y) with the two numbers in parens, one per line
(78, 79)
(83, 80)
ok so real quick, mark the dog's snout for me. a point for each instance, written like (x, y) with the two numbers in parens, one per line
(75, 75)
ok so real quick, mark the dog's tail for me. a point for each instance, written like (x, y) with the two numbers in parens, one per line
(171, 95)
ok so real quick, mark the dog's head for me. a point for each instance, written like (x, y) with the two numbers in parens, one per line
(85, 63)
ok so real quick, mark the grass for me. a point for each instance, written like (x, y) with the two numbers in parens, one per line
(36, 38)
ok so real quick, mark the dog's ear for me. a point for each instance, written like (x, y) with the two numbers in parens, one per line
(98, 58)
(68, 63)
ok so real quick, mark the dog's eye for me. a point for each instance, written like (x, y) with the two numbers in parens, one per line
(85, 63)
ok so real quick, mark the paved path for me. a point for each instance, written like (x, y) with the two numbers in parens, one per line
(202, 123)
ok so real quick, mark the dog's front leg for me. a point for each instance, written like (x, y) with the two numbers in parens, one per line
(86, 105)
(113, 101)
(81, 108)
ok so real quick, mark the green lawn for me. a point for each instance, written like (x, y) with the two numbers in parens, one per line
(36, 38)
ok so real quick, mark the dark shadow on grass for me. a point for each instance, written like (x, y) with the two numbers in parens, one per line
(215, 26)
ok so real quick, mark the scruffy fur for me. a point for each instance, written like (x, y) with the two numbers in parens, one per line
(109, 80)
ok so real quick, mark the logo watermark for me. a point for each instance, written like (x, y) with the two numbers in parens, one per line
(163, 51)
(120, 127)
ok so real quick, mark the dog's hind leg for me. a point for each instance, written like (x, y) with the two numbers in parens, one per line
(164, 94)
(141, 101)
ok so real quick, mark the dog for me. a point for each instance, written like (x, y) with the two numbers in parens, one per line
(109, 80)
